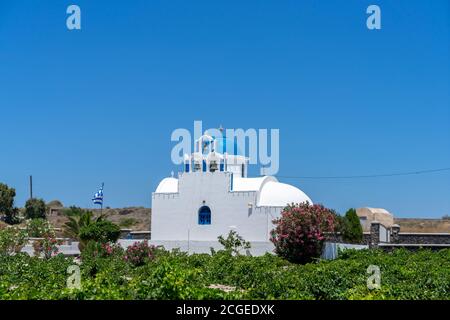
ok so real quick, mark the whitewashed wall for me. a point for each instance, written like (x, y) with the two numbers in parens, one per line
(330, 251)
(175, 216)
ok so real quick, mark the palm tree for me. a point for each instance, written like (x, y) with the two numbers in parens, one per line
(76, 222)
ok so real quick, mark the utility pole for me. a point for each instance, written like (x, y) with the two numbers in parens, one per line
(31, 187)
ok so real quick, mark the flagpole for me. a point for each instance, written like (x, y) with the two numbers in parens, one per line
(101, 206)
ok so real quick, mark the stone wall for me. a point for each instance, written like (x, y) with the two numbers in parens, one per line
(396, 238)
(411, 241)
(423, 238)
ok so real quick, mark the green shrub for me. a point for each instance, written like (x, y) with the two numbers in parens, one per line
(102, 231)
(35, 209)
(234, 242)
(127, 222)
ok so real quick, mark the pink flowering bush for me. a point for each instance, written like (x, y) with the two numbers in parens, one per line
(138, 253)
(102, 250)
(299, 232)
(47, 246)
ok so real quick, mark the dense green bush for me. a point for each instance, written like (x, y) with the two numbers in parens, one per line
(102, 231)
(35, 209)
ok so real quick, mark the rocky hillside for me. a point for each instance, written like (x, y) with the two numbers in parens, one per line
(423, 225)
(134, 218)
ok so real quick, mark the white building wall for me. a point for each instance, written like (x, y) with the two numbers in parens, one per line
(175, 215)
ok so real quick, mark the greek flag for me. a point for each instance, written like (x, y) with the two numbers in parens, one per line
(98, 197)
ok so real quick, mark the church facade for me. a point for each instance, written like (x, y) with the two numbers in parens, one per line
(214, 195)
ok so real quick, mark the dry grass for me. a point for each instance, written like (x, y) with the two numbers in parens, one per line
(423, 225)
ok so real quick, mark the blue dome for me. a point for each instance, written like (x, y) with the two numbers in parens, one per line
(228, 145)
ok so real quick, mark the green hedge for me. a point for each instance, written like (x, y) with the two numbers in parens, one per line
(175, 275)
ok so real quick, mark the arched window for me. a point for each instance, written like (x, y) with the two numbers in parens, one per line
(204, 215)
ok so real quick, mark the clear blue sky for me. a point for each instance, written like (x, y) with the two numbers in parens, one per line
(98, 105)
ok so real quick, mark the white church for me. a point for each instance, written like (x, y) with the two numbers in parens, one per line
(214, 195)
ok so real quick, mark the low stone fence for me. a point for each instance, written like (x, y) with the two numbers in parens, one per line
(422, 238)
(390, 238)
(411, 241)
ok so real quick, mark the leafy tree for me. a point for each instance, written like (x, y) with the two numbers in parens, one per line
(299, 233)
(7, 208)
(35, 209)
(352, 230)
(12, 217)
